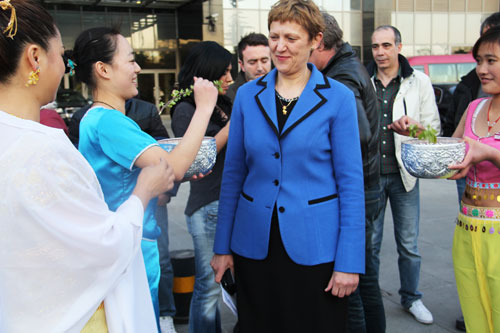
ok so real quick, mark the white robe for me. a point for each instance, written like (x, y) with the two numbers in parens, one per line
(62, 251)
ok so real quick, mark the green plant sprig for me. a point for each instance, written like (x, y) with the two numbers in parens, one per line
(428, 134)
(177, 95)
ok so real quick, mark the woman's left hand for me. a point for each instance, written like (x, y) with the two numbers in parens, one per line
(343, 284)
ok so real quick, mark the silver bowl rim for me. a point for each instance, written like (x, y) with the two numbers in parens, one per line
(178, 139)
(439, 145)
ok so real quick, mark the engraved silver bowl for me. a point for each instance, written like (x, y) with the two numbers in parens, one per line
(431, 160)
(205, 159)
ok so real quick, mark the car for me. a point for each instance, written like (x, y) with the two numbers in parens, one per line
(68, 102)
(445, 72)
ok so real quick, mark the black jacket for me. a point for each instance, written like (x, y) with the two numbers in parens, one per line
(346, 68)
(143, 113)
(465, 92)
(240, 80)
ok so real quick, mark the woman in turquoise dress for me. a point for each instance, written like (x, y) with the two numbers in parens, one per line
(114, 145)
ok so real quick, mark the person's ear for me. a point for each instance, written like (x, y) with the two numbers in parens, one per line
(102, 70)
(317, 41)
(33, 53)
(241, 65)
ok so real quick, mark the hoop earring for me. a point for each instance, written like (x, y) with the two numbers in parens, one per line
(33, 78)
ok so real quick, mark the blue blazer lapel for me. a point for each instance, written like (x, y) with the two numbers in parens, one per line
(266, 101)
(309, 101)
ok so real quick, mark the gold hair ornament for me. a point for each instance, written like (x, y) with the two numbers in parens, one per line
(33, 78)
(11, 29)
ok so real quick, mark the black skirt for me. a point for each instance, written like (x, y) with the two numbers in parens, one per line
(278, 295)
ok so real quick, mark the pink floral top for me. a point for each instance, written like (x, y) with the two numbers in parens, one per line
(484, 174)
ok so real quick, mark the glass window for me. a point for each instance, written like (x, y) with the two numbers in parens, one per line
(490, 5)
(440, 49)
(332, 5)
(263, 22)
(464, 69)
(68, 23)
(473, 26)
(443, 73)
(352, 5)
(356, 26)
(474, 6)
(231, 35)
(405, 5)
(248, 4)
(419, 68)
(423, 5)
(439, 28)
(266, 4)
(404, 22)
(423, 28)
(229, 4)
(457, 28)
(457, 5)
(420, 49)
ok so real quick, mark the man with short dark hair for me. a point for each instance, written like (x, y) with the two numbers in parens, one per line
(254, 58)
(336, 59)
(405, 98)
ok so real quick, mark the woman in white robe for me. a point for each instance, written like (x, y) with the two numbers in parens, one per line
(63, 253)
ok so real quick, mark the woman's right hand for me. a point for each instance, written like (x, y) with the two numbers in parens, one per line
(220, 263)
(205, 94)
(153, 181)
(476, 153)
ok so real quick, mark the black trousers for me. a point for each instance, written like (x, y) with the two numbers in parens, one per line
(278, 295)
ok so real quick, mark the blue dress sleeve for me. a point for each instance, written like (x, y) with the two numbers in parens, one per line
(122, 140)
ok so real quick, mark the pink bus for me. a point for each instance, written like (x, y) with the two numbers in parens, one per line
(444, 68)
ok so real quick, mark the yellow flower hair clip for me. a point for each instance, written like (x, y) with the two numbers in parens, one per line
(11, 29)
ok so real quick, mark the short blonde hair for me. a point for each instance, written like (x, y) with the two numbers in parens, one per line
(303, 12)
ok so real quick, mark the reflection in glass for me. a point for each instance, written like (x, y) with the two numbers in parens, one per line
(229, 4)
(443, 73)
(419, 68)
(422, 28)
(248, 4)
(332, 5)
(463, 69)
(440, 28)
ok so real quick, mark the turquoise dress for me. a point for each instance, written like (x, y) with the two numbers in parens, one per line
(111, 142)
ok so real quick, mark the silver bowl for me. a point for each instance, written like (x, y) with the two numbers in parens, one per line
(431, 160)
(205, 159)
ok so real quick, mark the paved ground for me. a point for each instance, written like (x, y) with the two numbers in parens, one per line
(438, 210)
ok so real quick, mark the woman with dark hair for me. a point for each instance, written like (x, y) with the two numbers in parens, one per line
(476, 244)
(67, 262)
(213, 62)
(114, 144)
(292, 198)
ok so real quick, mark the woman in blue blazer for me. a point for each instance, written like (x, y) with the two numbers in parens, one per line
(291, 212)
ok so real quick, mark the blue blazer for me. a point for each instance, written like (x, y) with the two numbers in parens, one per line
(312, 171)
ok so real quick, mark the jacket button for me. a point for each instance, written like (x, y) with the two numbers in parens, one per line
(281, 209)
(276, 182)
(276, 155)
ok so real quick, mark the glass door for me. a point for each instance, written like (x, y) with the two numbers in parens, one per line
(155, 85)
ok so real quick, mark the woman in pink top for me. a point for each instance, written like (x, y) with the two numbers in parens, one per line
(476, 244)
